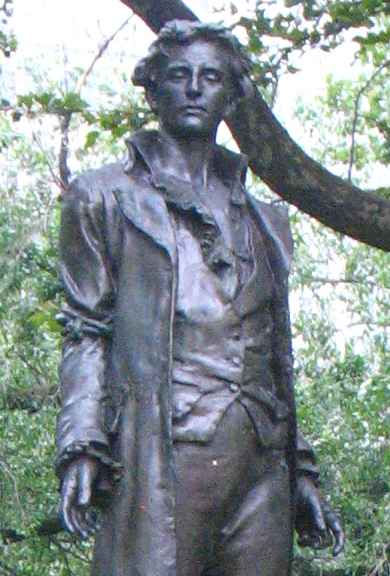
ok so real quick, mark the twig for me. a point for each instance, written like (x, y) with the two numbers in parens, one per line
(65, 173)
(100, 53)
(57, 180)
(336, 281)
(8, 472)
(356, 116)
(64, 553)
(36, 372)
(369, 323)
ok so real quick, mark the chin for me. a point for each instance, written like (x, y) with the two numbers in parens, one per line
(192, 129)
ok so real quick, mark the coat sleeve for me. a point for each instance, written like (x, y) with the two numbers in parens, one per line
(276, 230)
(87, 318)
(305, 462)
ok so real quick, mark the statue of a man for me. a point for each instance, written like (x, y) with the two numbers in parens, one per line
(177, 368)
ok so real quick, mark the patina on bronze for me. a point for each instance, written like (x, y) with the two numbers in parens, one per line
(178, 407)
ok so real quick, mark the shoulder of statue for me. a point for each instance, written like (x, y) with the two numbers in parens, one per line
(276, 212)
(92, 185)
(232, 166)
(274, 224)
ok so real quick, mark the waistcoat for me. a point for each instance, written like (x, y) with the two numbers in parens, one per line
(223, 328)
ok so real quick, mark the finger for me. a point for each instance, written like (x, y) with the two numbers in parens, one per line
(305, 540)
(339, 537)
(322, 540)
(75, 521)
(335, 526)
(338, 547)
(66, 518)
(318, 516)
(78, 519)
(91, 521)
(87, 476)
(87, 521)
(68, 493)
(81, 512)
(86, 524)
(312, 539)
(85, 488)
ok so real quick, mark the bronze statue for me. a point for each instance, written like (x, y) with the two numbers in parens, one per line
(178, 407)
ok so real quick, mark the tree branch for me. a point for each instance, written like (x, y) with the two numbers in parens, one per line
(155, 13)
(99, 54)
(282, 164)
(66, 117)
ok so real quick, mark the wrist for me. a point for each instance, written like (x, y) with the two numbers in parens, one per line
(92, 450)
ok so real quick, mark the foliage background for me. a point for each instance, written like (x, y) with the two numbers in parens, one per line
(59, 116)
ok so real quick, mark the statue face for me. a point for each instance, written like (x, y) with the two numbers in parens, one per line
(194, 91)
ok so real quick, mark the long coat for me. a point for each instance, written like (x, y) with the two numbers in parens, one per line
(119, 271)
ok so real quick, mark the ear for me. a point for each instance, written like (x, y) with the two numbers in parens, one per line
(244, 90)
(247, 88)
(231, 106)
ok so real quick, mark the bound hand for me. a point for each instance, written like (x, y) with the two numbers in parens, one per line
(76, 495)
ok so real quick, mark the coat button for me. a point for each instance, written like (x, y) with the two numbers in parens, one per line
(236, 361)
(233, 387)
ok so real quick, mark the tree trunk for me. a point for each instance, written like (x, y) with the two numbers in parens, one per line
(282, 164)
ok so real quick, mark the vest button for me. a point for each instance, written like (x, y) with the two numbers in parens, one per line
(236, 361)
(233, 387)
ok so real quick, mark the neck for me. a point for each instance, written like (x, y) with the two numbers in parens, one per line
(190, 156)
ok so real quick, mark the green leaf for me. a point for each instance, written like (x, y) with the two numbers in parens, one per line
(91, 139)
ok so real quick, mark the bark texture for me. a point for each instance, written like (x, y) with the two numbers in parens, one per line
(282, 164)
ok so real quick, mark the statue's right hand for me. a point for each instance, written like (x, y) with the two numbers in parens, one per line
(76, 496)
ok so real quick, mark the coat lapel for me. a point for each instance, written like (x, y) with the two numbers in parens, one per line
(273, 223)
(259, 288)
(145, 208)
(141, 200)
(144, 204)
(144, 201)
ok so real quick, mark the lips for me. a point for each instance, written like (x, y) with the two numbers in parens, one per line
(193, 109)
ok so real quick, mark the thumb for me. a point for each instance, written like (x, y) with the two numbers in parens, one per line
(87, 475)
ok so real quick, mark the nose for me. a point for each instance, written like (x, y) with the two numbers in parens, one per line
(194, 88)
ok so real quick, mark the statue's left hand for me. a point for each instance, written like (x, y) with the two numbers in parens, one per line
(315, 520)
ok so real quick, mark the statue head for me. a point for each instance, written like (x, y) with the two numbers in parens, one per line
(183, 32)
(193, 76)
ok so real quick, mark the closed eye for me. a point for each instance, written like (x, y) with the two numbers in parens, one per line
(177, 73)
(212, 75)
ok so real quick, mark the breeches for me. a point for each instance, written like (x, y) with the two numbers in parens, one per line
(233, 513)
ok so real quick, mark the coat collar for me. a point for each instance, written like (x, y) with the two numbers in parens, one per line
(146, 208)
(150, 145)
(151, 187)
